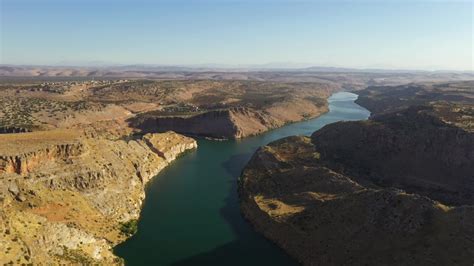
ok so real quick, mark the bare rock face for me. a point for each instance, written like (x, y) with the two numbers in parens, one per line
(233, 123)
(394, 190)
(63, 198)
(25, 163)
(411, 150)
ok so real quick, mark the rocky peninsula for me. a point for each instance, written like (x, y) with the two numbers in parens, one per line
(240, 109)
(394, 190)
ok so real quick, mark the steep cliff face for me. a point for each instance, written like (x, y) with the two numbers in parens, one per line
(216, 124)
(24, 163)
(63, 201)
(394, 190)
(229, 124)
(411, 150)
(233, 123)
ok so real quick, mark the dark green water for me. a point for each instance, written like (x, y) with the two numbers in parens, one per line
(191, 213)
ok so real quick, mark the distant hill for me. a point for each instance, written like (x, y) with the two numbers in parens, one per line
(346, 78)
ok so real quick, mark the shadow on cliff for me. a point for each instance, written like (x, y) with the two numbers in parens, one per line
(249, 248)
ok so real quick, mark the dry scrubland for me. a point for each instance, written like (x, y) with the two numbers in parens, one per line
(44, 106)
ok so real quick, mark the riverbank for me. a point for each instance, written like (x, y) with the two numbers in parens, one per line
(68, 197)
(191, 213)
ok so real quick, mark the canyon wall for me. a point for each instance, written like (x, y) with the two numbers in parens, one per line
(24, 163)
(222, 124)
(410, 149)
(394, 190)
(66, 198)
(233, 123)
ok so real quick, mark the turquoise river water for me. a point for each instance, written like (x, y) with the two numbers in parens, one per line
(191, 213)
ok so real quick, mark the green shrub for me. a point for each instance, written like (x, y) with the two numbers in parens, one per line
(129, 228)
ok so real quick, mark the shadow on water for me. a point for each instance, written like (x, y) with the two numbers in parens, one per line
(245, 244)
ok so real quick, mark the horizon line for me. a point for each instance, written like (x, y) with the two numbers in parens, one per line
(223, 66)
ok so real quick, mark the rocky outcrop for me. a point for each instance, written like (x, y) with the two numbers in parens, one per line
(64, 198)
(222, 124)
(411, 150)
(24, 163)
(394, 190)
(216, 124)
(230, 123)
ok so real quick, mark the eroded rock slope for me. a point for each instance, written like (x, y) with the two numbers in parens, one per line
(233, 123)
(65, 194)
(394, 190)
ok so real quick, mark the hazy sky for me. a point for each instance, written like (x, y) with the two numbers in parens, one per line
(380, 34)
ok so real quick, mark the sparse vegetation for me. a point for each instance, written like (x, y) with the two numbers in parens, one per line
(77, 256)
(129, 228)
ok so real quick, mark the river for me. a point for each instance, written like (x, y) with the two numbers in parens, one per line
(191, 212)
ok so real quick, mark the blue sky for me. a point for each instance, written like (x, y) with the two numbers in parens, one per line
(368, 34)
